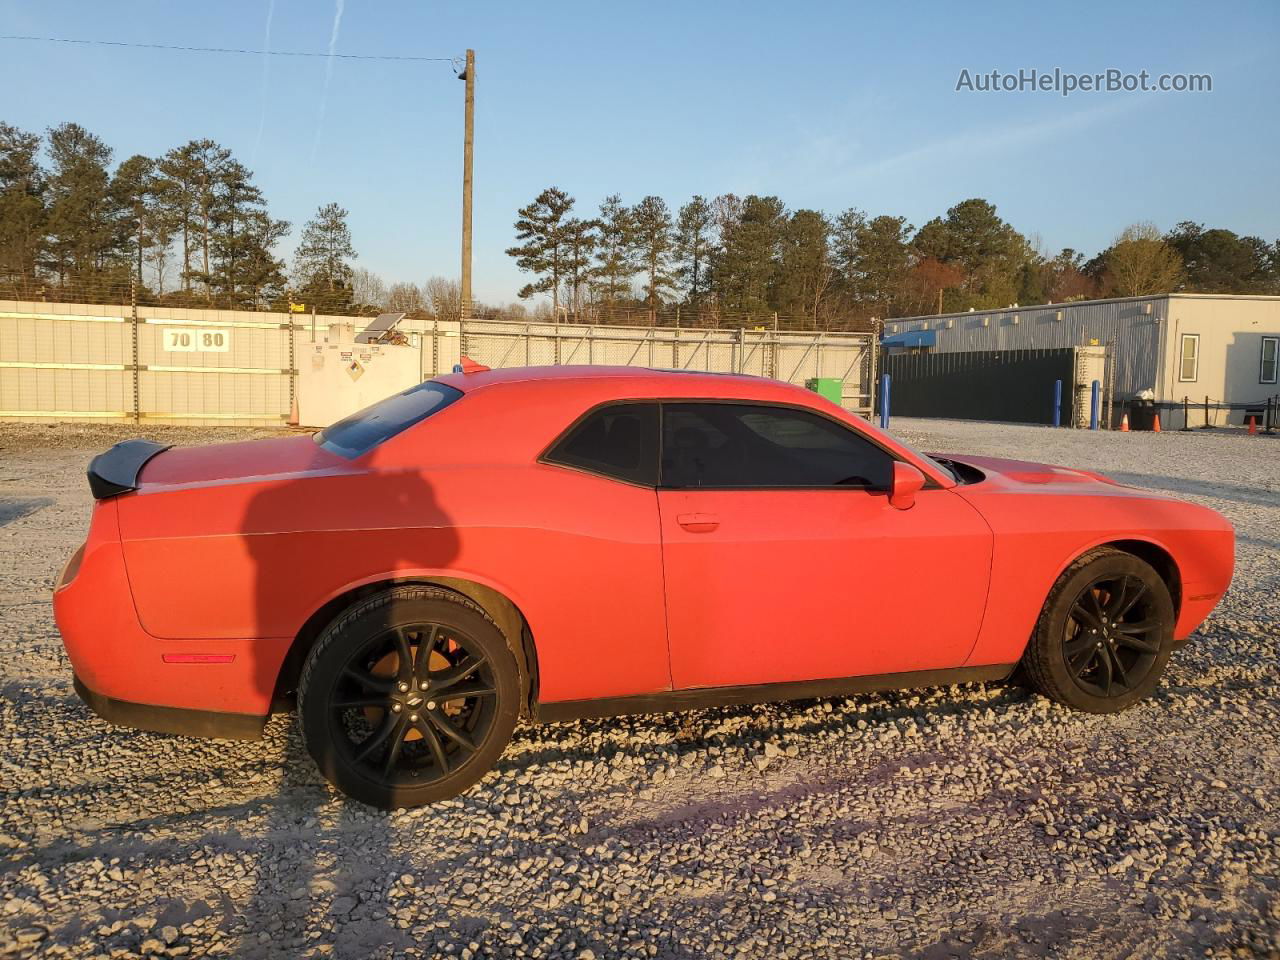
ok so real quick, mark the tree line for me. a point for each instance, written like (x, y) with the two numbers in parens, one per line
(750, 259)
(189, 228)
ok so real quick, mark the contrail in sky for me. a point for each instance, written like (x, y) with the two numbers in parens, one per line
(328, 72)
(266, 76)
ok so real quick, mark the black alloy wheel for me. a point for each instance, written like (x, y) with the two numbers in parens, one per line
(1105, 633)
(410, 697)
(1112, 638)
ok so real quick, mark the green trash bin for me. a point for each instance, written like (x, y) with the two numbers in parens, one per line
(830, 387)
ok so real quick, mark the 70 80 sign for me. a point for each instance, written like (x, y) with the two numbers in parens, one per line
(183, 340)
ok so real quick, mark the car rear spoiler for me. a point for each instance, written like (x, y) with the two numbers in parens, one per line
(116, 471)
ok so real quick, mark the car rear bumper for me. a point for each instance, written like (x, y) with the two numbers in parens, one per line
(121, 663)
(190, 723)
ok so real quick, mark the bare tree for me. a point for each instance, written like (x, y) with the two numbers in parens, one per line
(405, 298)
(445, 299)
(367, 288)
(1140, 262)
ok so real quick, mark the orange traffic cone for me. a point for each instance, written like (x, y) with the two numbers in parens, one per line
(1253, 426)
(1124, 424)
(1155, 424)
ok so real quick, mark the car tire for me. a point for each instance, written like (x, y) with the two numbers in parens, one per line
(409, 697)
(1105, 634)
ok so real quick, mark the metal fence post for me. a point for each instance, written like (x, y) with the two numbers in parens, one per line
(1093, 405)
(293, 370)
(884, 401)
(1057, 403)
(133, 315)
(1109, 361)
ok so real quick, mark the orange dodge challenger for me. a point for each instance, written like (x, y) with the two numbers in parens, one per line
(566, 542)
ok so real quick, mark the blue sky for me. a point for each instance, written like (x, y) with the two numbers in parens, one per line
(825, 105)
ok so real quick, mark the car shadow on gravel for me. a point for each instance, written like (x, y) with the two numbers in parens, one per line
(307, 890)
(326, 862)
(873, 709)
(12, 509)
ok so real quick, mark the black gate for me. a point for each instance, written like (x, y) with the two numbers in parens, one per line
(1010, 385)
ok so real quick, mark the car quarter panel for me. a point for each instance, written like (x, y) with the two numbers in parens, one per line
(115, 657)
(1042, 525)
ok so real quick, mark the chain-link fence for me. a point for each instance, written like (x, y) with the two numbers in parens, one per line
(789, 356)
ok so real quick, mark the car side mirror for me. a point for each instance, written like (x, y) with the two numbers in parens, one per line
(907, 481)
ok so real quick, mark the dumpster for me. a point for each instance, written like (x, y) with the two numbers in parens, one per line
(830, 387)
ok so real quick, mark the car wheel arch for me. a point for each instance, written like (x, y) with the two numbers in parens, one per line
(500, 608)
(1150, 552)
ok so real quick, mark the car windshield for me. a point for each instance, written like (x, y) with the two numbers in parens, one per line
(359, 433)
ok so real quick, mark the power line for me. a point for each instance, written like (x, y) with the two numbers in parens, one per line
(255, 53)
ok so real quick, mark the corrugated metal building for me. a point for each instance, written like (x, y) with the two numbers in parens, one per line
(1223, 347)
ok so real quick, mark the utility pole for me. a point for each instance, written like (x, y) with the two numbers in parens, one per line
(468, 137)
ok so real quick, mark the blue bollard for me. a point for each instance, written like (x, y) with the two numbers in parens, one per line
(884, 401)
(1093, 406)
(1057, 403)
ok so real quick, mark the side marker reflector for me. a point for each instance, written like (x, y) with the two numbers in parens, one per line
(197, 657)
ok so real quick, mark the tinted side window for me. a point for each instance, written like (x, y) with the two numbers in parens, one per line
(739, 445)
(618, 441)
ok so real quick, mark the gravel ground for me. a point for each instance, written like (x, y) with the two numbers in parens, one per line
(978, 821)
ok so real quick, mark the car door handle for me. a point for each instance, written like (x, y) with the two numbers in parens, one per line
(698, 522)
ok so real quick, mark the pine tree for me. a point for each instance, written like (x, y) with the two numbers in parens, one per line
(988, 251)
(132, 193)
(544, 250)
(81, 232)
(22, 208)
(748, 262)
(259, 274)
(693, 247)
(235, 200)
(806, 267)
(184, 189)
(882, 263)
(580, 241)
(321, 260)
(615, 262)
(654, 244)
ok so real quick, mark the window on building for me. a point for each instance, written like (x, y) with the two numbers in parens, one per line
(1190, 369)
(1270, 360)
